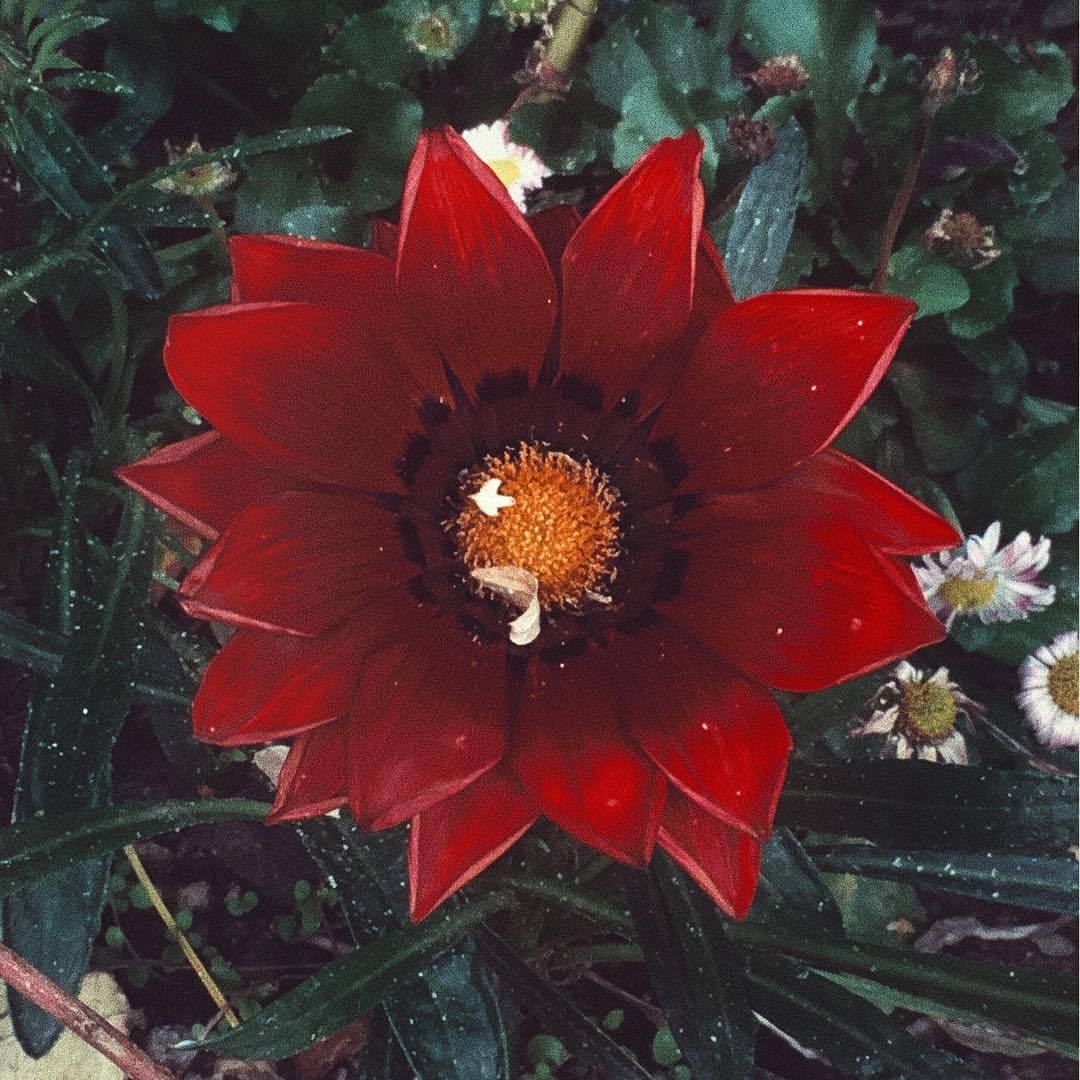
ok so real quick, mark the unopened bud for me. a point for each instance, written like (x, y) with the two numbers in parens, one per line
(754, 140)
(780, 75)
(199, 180)
(960, 237)
(434, 35)
(948, 79)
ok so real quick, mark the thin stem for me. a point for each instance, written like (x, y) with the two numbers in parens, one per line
(186, 948)
(903, 196)
(78, 1018)
(568, 34)
(655, 1015)
(566, 896)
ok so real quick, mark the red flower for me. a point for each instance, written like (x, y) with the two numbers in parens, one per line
(678, 539)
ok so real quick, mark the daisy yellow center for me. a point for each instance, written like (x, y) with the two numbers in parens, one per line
(968, 594)
(506, 169)
(1062, 683)
(927, 711)
(562, 524)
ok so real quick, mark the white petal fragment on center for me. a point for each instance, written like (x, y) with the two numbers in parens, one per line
(488, 498)
(519, 588)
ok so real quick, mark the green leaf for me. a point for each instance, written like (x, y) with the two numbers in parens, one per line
(32, 357)
(947, 430)
(844, 1028)
(467, 1042)
(927, 279)
(991, 300)
(695, 972)
(1021, 90)
(871, 906)
(835, 41)
(660, 41)
(923, 805)
(1035, 881)
(81, 710)
(765, 215)
(654, 110)
(1042, 1002)
(790, 889)
(1002, 360)
(1040, 170)
(31, 850)
(345, 988)
(554, 1011)
(373, 44)
(385, 122)
(1044, 241)
(564, 132)
(1028, 480)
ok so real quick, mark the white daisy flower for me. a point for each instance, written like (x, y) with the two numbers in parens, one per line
(919, 715)
(518, 167)
(1048, 691)
(997, 586)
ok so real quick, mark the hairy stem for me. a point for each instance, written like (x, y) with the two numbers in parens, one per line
(78, 1018)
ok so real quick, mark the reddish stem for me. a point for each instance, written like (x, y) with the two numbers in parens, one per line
(78, 1018)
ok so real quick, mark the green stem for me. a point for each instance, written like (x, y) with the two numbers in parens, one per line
(566, 896)
(569, 32)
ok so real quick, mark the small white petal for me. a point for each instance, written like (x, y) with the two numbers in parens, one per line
(520, 588)
(488, 498)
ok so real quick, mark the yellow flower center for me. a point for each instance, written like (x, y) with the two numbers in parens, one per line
(968, 594)
(562, 526)
(1063, 679)
(927, 711)
(506, 169)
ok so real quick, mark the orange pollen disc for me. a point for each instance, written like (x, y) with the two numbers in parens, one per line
(562, 527)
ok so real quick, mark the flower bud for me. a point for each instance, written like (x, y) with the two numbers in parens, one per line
(780, 75)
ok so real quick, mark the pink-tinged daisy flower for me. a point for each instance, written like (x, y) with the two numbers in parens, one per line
(1048, 691)
(518, 167)
(997, 586)
(919, 715)
(521, 517)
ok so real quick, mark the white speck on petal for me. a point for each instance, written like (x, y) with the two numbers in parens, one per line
(488, 498)
(520, 588)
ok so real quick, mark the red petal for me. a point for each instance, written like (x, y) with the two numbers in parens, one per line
(468, 265)
(384, 237)
(553, 227)
(452, 841)
(289, 268)
(725, 862)
(712, 294)
(718, 737)
(312, 780)
(796, 604)
(832, 485)
(628, 272)
(583, 772)
(264, 686)
(203, 482)
(322, 391)
(775, 378)
(428, 718)
(300, 561)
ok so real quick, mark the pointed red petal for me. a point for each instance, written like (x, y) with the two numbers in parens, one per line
(830, 486)
(454, 840)
(716, 736)
(797, 604)
(774, 380)
(312, 780)
(712, 294)
(469, 266)
(583, 772)
(203, 482)
(725, 862)
(290, 268)
(428, 718)
(315, 390)
(300, 561)
(628, 272)
(263, 686)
